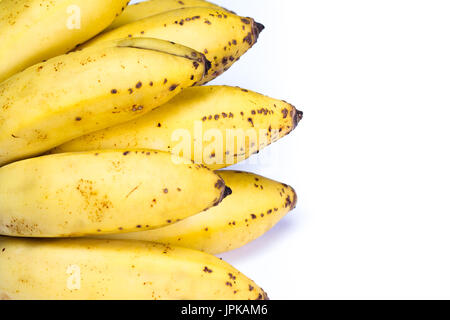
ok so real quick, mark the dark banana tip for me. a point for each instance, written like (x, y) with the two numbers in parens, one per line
(207, 63)
(228, 192)
(257, 29)
(298, 116)
(263, 296)
(208, 66)
(259, 26)
(295, 200)
(225, 191)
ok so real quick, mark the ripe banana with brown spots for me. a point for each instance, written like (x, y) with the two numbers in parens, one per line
(88, 269)
(222, 36)
(197, 114)
(254, 207)
(77, 194)
(34, 30)
(88, 90)
(149, 8)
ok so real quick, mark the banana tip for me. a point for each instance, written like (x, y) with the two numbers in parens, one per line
(227, 192)
(259, 26)
(257, 29)
(298, 116)
(263, 296)
(295, 200)
(208, 66)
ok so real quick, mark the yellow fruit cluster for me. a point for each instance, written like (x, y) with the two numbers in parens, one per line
(110, 146)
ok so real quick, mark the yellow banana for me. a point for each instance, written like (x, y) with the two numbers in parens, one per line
(78, 194)
(87, 269)
(223, 37)
(193, 115)
(88, 90)
(34, 30)
(254, 207)
(149, 8)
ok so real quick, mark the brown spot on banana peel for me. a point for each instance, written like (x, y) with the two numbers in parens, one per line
(220, 184)
(207, 270)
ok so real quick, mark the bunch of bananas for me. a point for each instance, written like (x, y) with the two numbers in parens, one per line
(107, 187)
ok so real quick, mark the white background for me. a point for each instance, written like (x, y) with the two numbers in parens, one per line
(370, 161)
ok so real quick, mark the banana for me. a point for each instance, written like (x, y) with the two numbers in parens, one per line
(149, 8)
(223, 37)
(34, 30)
(77, 194)
(88, 269)
(88, 90)
(254, 207)
(193, 115)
